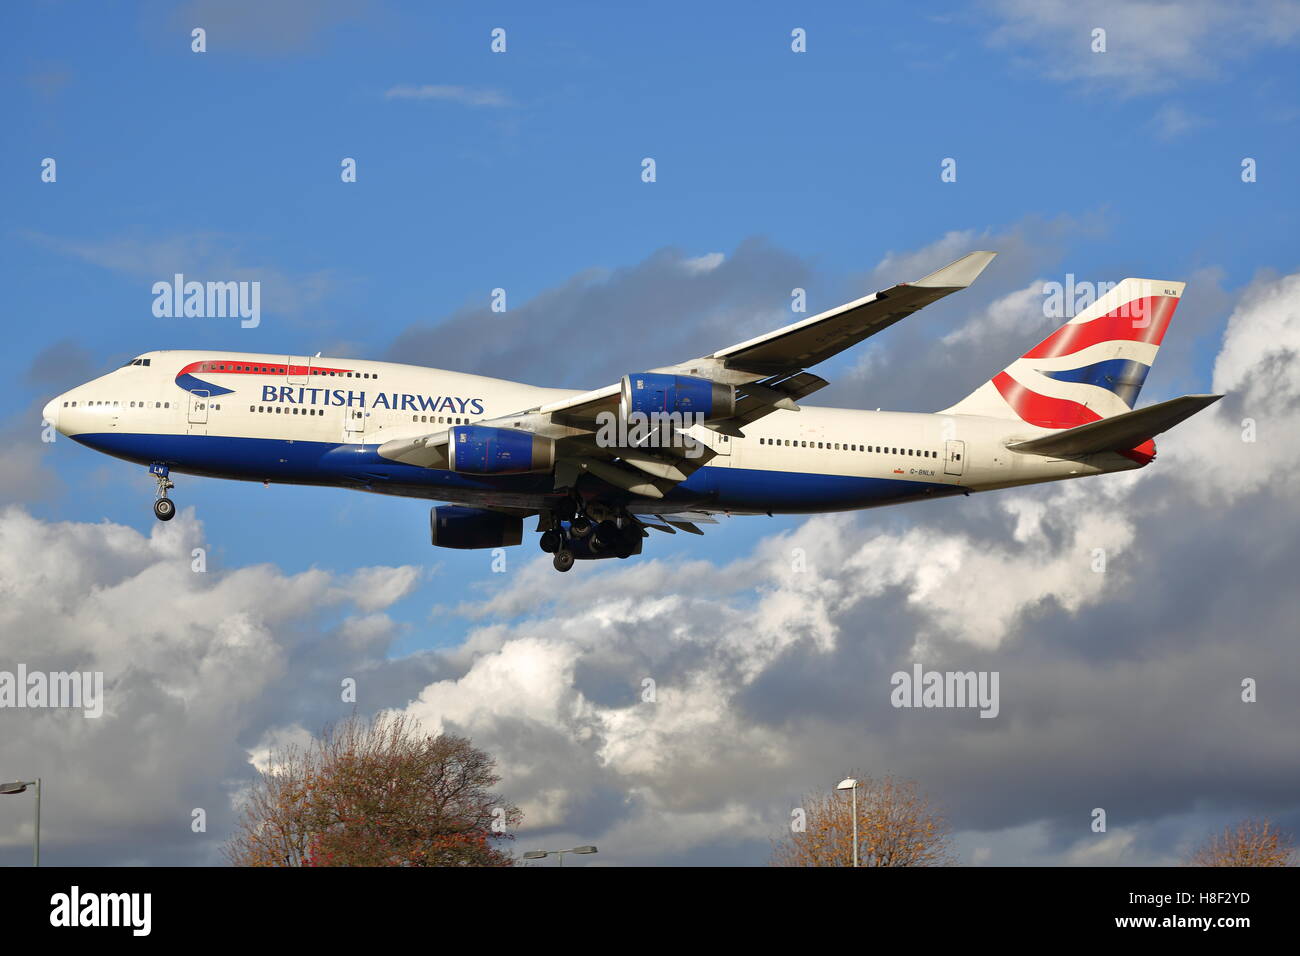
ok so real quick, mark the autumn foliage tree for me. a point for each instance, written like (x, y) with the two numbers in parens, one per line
(897, 826)
(1248, 843)
(376, 792)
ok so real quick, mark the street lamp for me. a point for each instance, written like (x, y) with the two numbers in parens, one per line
(20, 786)
(543, 854)
(848, 783)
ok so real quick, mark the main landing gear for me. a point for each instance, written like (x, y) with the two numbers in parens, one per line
(577, 530)
(164, 509)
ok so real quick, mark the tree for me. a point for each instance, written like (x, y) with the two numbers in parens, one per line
(375, 792)
(1249, 843)
(897, 826)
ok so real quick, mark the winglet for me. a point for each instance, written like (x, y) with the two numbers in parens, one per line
(959, 274)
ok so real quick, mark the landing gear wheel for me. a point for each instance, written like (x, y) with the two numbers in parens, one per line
(606, 534)
(551, 541)
(163, 509)
(581, 526)
(563, 559)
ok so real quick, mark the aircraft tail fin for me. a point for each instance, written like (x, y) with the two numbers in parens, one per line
(1089, 369)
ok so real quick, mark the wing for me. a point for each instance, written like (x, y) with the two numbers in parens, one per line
(814, 340)
(769, 369)
(768, 373)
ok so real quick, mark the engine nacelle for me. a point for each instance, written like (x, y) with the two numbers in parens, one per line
(482, 450)
(654, 393)
(452, 526)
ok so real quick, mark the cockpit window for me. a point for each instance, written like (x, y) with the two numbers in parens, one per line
(139, 361)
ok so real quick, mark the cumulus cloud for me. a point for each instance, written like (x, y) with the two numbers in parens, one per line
(198, 669)
(695, 305)
(1020, 312)
(1120, 688)
(1150, 45)
(676, 711)
(964, 339)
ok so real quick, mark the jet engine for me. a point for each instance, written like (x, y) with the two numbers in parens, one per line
(483, 450)
(453, 526)
(654, 393)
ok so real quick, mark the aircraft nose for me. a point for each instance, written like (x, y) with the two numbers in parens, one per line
(51, 412)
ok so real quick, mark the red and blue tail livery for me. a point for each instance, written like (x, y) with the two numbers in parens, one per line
(1091, 368)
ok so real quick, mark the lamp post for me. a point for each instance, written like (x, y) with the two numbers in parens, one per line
(848, 783)
(542, 854)
(20, 786)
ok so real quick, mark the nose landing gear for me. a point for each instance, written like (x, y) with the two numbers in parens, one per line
(164, 509)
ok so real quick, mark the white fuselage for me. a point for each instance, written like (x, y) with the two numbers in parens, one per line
(278, 418)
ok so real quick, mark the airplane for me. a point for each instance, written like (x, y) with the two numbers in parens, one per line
(668, 449)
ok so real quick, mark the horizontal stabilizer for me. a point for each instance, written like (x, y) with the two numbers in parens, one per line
(1119, 432)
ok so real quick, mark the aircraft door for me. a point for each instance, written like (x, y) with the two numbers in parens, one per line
(198, 407)
(299, 370)
(354, 423)
(954, 453)
(719, 443)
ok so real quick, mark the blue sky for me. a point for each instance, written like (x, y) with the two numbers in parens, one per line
(524, 174)
(832, 154)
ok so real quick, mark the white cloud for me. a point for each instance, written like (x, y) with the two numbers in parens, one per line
(464, 95)
(192, 663)
(906, 267)
(1150, 45)
(768, 680)
(197, 256)
(551, 683)
(1020, 311)
(1172, 121)
(705, 263)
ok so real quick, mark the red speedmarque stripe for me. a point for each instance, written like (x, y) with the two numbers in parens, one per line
(1142, 320)
(249, 367)
(1042, 410)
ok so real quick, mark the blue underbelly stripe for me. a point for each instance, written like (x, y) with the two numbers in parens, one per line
(331, 463)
